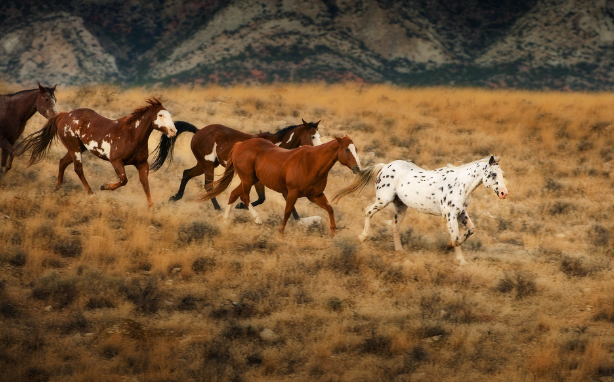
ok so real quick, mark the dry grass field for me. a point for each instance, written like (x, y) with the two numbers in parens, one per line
(106, 289)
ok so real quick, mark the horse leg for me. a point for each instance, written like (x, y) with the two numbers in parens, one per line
(290, 202)
(64, 162)
(9, 161)
(260, 191)
(7, 150)
(234, 195)
(5, 156)
(144, 178)
(453, 229)
(245, 189)
(322, 202)
(78, 166)
(187, 175)
(382, 201)
(294, 213)
(400, 209)
(464, 219)
(118, 166)
(209, 168)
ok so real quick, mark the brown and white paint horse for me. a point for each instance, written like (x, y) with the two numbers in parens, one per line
(122, 141)
(298, 173)
(211, 147)
(15, 111)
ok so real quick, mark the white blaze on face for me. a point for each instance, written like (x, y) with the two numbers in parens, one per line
(353, 151)
(289, 139)
(316, 139)
(211, 157)
(164, 119)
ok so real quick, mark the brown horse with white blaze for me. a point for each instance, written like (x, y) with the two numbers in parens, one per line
(15, 111)
(122, 141)
(298, 173)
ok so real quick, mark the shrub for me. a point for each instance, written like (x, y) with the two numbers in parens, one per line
(196, 232)
(376, 344)
(203, 264)
(574, 267)
(144, 295)
(345, 260)
(61, 291)
(68, 247)
(522, 282)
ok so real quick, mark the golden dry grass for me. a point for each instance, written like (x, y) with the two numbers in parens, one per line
(169, 294)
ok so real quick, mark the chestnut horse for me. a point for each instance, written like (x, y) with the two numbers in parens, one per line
(122, 141)
(211, 147)
(302, 172)
(15, 110)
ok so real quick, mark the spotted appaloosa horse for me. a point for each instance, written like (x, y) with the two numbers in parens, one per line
(445, 192)
(15, 111)
(211, 147)
(122, 141)
(302, 172)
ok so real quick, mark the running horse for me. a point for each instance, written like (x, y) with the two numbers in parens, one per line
(302, 172)
(122, 141)
(15, 111)
(444, 192)
(211, 147)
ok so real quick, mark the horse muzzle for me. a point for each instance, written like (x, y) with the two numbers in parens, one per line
(356, 170)
(502, 194)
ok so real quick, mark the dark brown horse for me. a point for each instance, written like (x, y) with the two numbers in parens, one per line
(15, 110)
(298, 173)
(122, 141)
(211, 146)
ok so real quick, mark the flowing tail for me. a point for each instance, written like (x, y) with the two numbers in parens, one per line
(363, 179)
(222, 183)
(167, 145)
(40, 142)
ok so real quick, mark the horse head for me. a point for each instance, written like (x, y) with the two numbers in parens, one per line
(309, 135)
(163, 121)
(347, 155)
(45, 103)
(493, 178)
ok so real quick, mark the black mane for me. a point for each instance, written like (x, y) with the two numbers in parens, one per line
(50, 90)
(283, 131)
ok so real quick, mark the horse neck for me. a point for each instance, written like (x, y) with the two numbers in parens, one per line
(269, 137)
(474, 182)
(324, 157)
(144, 130)
(25, 104)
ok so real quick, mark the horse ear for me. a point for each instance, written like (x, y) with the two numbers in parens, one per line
(338, 139)
(317, 123)
(41, 88)
(54, 86)
(497, 158)
(304, 123)
(491, 161)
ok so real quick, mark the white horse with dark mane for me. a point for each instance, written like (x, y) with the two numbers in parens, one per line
(445, 192)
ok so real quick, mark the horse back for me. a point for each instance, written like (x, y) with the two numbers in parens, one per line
(220, 136)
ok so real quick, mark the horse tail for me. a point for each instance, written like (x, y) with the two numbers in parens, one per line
(40, 142)
(222, 183)
(166, 146)
(363, 179)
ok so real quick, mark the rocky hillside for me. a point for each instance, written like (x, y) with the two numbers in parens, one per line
(564, 44)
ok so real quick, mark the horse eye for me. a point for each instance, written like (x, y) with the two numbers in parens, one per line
(313, 137)
(347, 149)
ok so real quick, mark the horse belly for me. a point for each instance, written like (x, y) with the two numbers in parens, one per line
(419, 197)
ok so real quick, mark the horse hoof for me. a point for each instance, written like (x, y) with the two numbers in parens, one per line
(172, 199)
(362, 238)
(241, 206)
(258, 221)
(92, 196)
(102, 187)
(462, 262)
